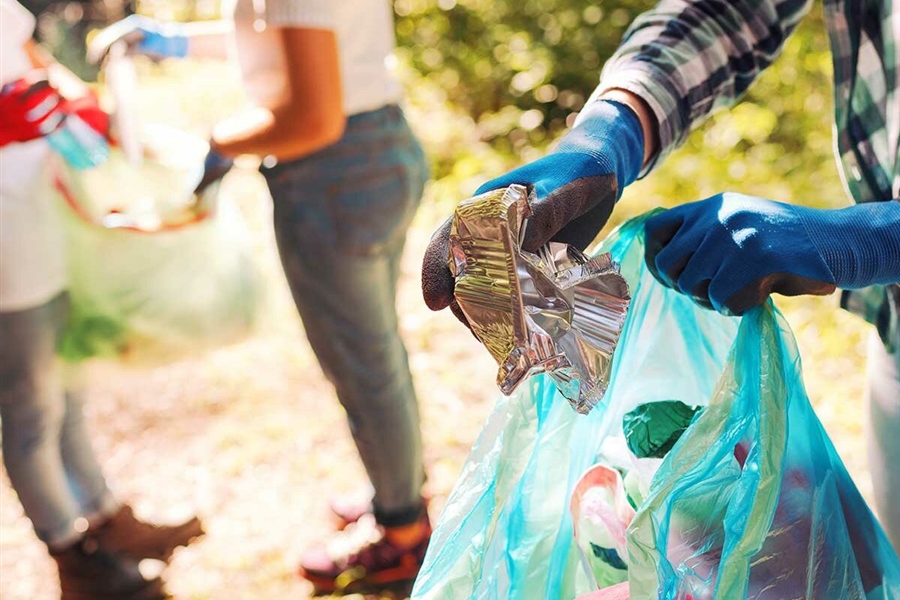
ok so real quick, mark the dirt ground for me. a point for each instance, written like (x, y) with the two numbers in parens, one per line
(252, 438)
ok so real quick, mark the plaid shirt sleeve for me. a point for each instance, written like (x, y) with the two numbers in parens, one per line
(687, 58)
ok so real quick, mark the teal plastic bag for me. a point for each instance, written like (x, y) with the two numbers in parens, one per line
(507, 531)
(753, 500)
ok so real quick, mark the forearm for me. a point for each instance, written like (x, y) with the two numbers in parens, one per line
(280, 132)
(300, 119)
(687, 59)
(209, 39)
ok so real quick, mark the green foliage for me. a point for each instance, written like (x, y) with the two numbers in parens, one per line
(492, 82)
(519, 68)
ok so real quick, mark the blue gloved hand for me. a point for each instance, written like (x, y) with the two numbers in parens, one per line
(215, 167)
(575, 189)
(730, 252)
(142, 36)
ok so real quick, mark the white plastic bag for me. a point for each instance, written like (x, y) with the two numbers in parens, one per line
(154, 272)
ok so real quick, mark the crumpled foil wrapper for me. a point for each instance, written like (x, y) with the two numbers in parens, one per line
(557, 311)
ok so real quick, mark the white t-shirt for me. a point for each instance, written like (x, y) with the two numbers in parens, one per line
(32, 260)
(365, 34)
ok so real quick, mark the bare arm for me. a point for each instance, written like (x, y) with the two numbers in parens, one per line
(209, 39)
(306, 116)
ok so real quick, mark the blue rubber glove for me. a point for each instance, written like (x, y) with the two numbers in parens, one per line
(730, 252)
(215, 167)
(143, 36)
(575, 189)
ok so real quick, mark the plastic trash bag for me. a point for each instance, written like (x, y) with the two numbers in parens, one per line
(154, 272)
(507, 529)
(753, 501)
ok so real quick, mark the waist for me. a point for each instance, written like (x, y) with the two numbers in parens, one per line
(373, 132)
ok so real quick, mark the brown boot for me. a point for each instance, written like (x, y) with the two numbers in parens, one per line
(87, 572)
(125, 534)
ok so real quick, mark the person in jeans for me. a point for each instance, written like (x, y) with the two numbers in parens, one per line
(95, 540)
(346, 175)
(678, 63)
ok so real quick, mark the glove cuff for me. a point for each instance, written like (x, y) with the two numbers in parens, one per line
(859, 244)
(164, 40)
(607, 123)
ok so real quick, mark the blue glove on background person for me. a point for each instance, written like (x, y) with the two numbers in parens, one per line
(575, 189)
(143, 36)
(215, 167)
(730, 252)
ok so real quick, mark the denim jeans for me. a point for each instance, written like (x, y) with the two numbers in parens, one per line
(341, 217)
(883, 434)
(46, 448)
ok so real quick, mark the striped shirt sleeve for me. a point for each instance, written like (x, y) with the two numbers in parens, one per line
(687, 58)
(314, 14)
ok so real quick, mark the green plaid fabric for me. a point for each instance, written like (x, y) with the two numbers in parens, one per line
(688, 58)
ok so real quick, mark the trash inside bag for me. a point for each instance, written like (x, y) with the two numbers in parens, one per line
(155, 273)
(652, 429)
(735, 508)
(753, 500)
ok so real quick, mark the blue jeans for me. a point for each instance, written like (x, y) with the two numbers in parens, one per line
(883, 434)
(341, 217)
(46, 448)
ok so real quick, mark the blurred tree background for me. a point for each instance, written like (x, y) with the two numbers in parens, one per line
(498, 80)
(512, 73)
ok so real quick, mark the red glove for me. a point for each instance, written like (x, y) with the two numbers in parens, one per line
(30, 107)
(87, 107)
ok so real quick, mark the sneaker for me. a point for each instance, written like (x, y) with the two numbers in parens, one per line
(124, 533)
(362, 559)
(88, 572)
(348, 509)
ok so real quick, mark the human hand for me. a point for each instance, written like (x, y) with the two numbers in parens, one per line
(31, 108)
(215, 166)
(141, 36)
(573, 191)
(87, 108)
(730, 252)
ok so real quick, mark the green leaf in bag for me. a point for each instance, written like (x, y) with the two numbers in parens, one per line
(652, 429)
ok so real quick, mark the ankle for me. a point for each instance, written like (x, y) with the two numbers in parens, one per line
(408, 536)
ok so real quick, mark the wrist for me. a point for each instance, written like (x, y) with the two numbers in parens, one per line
(649, 124)
(610, 133)
(859, 244)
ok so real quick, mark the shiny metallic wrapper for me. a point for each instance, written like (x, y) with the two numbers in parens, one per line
(557, 311)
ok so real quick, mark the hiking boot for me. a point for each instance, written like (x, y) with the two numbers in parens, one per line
(126, 534)
(365, 559)
(88, 572)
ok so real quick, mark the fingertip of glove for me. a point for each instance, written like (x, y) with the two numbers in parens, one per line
(437, 281)
(437, 286)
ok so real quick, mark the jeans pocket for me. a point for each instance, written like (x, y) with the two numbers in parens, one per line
(373, 211)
